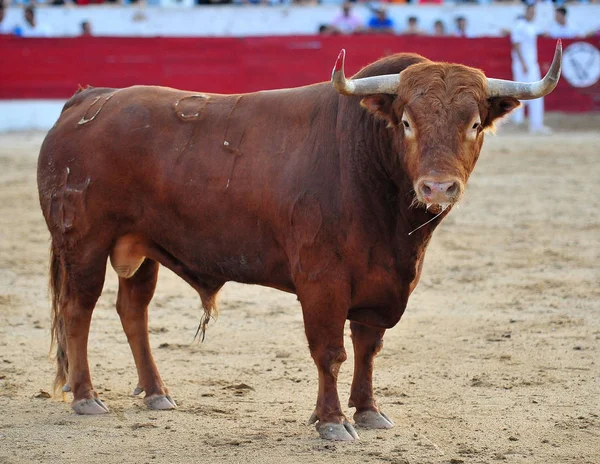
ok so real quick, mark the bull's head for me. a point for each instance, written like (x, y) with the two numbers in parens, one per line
(438, 112)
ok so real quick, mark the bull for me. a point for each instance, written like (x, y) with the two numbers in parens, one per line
(331, 192)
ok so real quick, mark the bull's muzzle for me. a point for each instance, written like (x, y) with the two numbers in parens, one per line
(439, 191)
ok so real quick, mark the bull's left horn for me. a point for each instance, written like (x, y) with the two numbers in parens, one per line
(528, 90)
(388, 83)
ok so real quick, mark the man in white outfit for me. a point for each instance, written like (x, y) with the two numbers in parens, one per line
(525, 68)
(560, 29)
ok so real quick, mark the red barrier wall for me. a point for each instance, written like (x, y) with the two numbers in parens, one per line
(52, 68)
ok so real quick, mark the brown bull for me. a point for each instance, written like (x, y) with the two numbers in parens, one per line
(331, 195)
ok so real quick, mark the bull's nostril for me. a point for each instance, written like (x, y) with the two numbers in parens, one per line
(426, 189)
(453, 189)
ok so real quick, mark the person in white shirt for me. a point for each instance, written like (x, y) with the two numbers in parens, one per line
(31, 28)
(560, 29)
(4, 27)
(346, 22)
(461, 27)
(525, 68)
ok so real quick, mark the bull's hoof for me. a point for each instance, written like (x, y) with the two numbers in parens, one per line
(137, 391)
(337, 432)
(89, 406)
(160, 402)
(372, 420)
(66, 388)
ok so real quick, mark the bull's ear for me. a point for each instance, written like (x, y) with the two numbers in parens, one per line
(381, 106)
(500, 107)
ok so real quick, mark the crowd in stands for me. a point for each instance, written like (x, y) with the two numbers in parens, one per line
(29, 26)
(346, 22)
(272, 2)
(379, 23)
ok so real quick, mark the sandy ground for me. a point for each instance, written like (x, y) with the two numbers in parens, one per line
(496, 358)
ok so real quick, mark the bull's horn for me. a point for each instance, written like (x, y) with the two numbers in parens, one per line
(366, 86)
(528, 90)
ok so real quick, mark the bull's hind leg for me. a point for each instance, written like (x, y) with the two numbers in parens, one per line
(134, 296)
(367, 342)
(77, 281)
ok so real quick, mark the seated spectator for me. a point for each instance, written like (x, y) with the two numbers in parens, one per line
(30, 28)
(461, 27)
(413, 27)
(380, 23)
(325, 29)
(86, 29)
(439, 30)
(560, 29)
(346, 22)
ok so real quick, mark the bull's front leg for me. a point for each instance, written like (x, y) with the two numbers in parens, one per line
(324, 314)
(367, 342)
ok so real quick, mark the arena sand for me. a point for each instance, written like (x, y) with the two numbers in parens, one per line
(496, 358)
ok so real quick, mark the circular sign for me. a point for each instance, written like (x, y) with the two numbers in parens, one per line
(581, 64)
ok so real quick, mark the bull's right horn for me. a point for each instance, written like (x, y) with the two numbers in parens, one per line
(528, 90)
(388, 83)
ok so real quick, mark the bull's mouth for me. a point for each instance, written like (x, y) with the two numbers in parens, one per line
(433, 207)
(437, 208)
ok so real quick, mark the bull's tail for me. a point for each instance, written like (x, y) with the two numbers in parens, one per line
(57, 291)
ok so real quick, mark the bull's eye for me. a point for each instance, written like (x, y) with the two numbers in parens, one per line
(476, 126)
(406, 124)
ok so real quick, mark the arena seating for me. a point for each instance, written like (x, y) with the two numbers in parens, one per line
(262, 20)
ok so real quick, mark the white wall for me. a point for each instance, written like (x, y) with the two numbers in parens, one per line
(17, 115)
(239, 21)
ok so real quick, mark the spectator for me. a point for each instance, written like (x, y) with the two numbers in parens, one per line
(31, 28)
(560, 29)
(438, 28)
(346, 22)
(525, 68)
(461, 27)
(86, 29)
(4, 28)
(380, 23)
(413, 27)
(325, 29)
